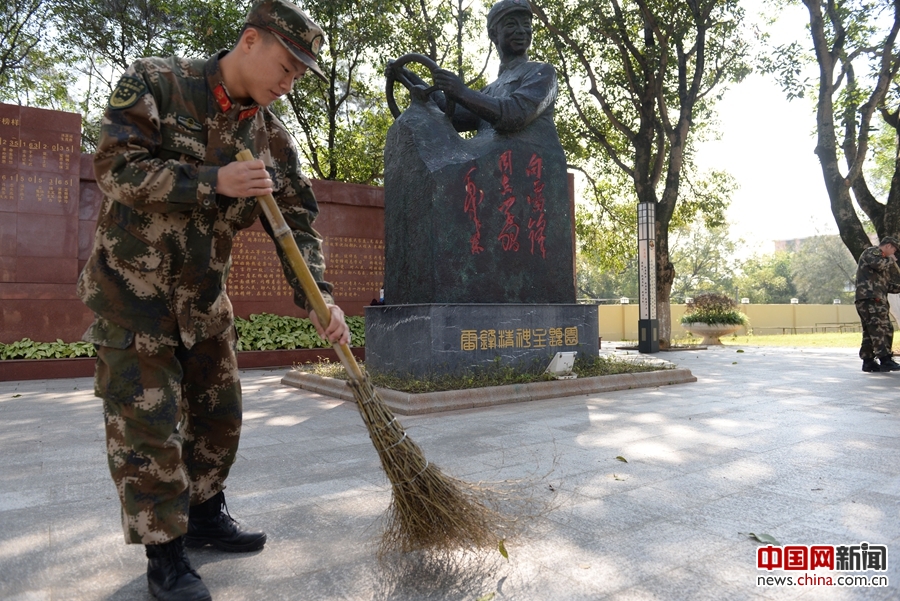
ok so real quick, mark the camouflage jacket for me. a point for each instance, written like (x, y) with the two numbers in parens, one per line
(876, 275)
(162, 248)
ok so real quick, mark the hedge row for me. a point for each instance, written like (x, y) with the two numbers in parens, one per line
(262, 332)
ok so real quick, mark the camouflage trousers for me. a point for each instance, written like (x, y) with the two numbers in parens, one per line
(173, 422)
(878, 332)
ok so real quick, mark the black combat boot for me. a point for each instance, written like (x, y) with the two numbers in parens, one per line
(870, 365)
(170, 575)
(888, 364)
(209, 523)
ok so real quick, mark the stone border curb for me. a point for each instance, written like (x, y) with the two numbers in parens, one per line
(404, 403)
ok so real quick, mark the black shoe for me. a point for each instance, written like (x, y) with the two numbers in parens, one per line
(170, 575)
(888, 364)
(210, 524)
(870, 365)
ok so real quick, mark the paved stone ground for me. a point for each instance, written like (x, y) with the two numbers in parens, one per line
(797, 444)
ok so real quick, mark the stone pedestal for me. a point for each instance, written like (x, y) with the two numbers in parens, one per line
(428, 339)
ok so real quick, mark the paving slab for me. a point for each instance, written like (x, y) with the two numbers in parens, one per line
(795, 443)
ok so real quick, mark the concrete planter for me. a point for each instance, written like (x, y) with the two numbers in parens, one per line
(711, 331)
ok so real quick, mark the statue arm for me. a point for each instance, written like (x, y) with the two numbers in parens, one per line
(537, 92)
(477, 105)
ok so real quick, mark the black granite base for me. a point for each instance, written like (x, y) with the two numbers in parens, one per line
(421, 340)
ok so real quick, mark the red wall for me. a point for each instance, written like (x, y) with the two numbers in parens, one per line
(49, 204)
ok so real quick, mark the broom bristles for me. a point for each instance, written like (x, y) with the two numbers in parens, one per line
(429, 509)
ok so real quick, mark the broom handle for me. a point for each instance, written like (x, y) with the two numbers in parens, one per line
(287, 243)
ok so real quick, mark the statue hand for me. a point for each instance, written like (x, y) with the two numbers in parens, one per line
(389, 68)
(449, 83)
(418, 92)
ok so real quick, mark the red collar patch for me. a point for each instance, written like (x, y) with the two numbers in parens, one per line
(222, 98)
(225, 103)
(247, 113)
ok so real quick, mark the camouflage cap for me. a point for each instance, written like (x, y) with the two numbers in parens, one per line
(890, 240)
(292, 27)
(505, 7)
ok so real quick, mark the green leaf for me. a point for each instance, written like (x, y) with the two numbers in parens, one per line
(739, 351)
(622, 459)
(487, 597)
(503, 552)
(15, 396)
(763, 538)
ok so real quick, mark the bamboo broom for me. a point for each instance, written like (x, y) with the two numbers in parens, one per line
(429, 510)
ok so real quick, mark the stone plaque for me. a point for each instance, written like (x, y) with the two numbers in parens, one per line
(423, 340)
(39, 184)
(351, 224)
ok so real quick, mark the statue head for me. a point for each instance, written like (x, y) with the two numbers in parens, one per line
(509, 27)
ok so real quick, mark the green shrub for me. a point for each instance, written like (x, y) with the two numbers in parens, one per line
(710, 307)
(267, 332)
(29, 349)
(262, 332)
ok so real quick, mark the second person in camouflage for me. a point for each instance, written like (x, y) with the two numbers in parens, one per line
(877, 276)
(174, 199)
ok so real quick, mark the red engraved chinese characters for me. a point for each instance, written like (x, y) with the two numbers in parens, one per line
(537, 222)
(474, 197)
(509, 235)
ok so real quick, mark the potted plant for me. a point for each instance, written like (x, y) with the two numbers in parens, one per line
(712, 315)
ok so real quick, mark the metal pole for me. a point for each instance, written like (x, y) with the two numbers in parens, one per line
(648, 324)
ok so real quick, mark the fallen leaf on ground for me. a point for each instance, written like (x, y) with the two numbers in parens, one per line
(763, 538)
(622, 459)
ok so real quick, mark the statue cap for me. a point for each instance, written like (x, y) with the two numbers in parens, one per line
(505, 7)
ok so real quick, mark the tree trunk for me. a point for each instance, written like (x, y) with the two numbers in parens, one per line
(665, 276)
(838, 185)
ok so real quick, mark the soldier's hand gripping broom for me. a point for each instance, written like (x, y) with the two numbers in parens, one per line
(429, 510)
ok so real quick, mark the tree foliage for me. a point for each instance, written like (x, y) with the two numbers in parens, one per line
(704, 261)
(641, 78)
(823, 269)
(33, 70)
(854, 45)
(767, 279)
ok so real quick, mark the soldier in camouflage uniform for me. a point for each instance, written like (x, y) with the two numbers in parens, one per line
(877, 276)
(174, 199)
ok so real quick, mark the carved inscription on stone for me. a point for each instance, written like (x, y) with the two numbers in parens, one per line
(354, 265)
(38, 167)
